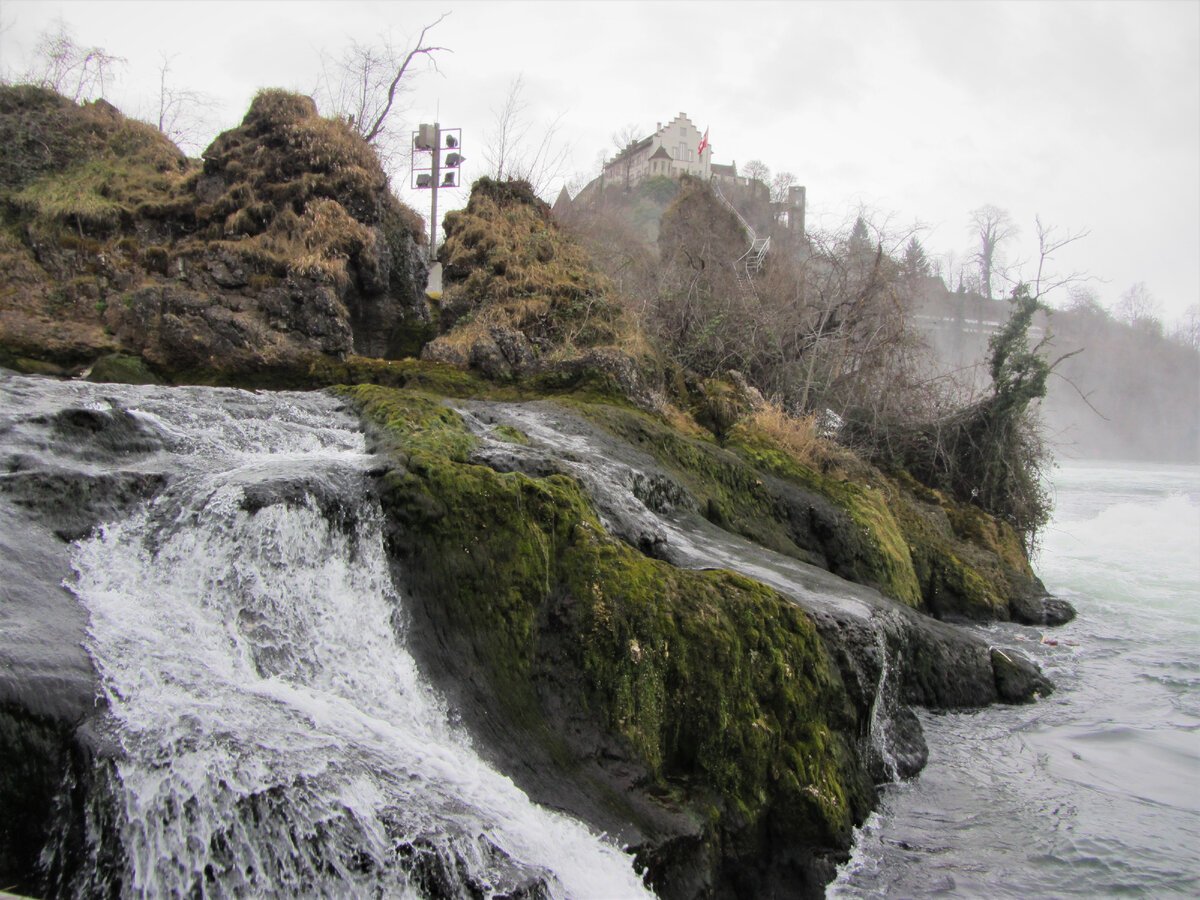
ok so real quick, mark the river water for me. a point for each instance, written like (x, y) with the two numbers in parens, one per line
(1094, 791)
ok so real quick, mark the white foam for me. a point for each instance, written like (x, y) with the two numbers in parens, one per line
(279, 736)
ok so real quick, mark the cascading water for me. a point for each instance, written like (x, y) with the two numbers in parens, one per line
(275, 735)
(882, 739)
(266, 731)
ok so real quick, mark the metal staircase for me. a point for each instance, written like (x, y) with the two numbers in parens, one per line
(749, 263)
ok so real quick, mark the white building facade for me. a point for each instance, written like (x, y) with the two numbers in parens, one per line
(673, 150)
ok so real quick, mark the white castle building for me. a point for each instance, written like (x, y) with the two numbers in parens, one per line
(679, 148)
(675, 149)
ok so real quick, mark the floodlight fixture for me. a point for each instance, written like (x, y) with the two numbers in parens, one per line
(426, 138)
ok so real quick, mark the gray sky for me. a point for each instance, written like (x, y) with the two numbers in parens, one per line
(1085, 113)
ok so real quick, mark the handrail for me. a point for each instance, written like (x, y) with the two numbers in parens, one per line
(750, 262)
(716, 186)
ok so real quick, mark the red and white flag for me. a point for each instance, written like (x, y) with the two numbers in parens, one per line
(703, 144)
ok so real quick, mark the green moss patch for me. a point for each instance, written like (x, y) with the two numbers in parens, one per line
(715, 684)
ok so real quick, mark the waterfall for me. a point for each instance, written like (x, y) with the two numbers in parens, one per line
(275, 735)
(882, 740)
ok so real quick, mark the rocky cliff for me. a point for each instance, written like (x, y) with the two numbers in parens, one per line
(282, 246)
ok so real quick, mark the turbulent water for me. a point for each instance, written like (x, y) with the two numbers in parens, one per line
(1094, 791)
(276, 737)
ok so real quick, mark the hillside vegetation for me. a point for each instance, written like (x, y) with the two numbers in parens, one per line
(725, 721)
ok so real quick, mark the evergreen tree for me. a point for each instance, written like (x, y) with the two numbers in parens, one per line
(860, 237)
(916, 264)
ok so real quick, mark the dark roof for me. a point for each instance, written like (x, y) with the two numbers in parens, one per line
(634, 148)
(661, 153)
(718, 169)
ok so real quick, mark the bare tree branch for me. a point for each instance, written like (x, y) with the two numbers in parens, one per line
(371, 132)
(508, 151)
(993, 226)
(181, 112)
(77, 72)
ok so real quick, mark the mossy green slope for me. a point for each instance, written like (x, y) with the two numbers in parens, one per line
(714, 684)
(913, 544)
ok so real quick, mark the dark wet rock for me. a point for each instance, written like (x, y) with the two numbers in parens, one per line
(71, 503)
(906, 742)
(439, 872)
(1057, 611)
(1017, 679)
(100, 433)
(326, 491)
(48, 689)
(1038, 608)
(33, 755)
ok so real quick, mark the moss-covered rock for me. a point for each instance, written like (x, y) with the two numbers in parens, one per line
(122, 369)
(912, 544)
(712, 689)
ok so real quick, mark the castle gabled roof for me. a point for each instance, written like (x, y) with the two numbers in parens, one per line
(661, 153)
(563, 202)
(633, 148)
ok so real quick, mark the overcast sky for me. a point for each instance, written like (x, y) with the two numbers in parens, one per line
(1086, 114)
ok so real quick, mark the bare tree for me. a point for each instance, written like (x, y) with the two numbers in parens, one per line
(1050, 240)
(509, 127)
(364, 83)
(78, 72)
(992, 226)
(1138, 308)
(1084, 300)
(948, 267)
(781, 184)
(623, 139)
(1187, 329)
(757, 170)
(181, 114)
(519, 147)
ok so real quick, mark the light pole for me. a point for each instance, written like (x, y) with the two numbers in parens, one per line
(433, 140)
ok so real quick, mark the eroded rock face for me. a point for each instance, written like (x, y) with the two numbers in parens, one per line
(284, 247)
